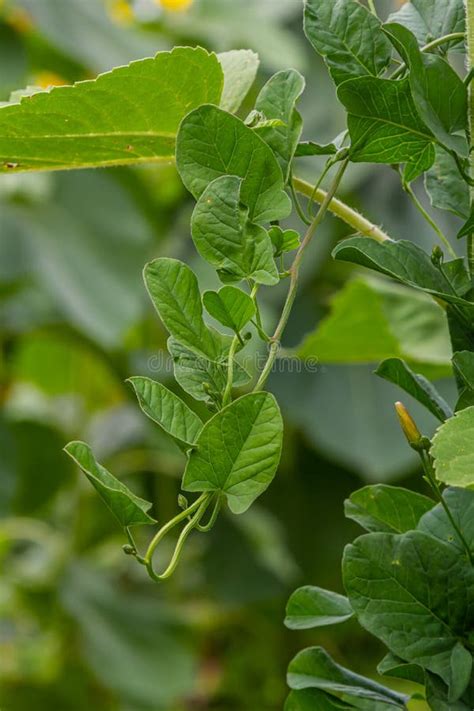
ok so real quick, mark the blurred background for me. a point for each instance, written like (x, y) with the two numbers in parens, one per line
(80, 624)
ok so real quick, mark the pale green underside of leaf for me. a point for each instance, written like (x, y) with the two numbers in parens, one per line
(414, 593)
(212, 143)
(225, 237)
(387, 509)
(167, 410)
(430, 20)
(314, 668)
(398, 372)
(197, 375)
(445, 186)
(311, 699)
(129, 509)
(348, 37)
(129, 115)
(174, 291)
(384, 124)
(238, 451)
(240, 68)
(452, 450)
(368, 323)
(310, 607)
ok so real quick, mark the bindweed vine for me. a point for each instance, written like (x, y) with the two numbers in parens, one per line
(409, 580)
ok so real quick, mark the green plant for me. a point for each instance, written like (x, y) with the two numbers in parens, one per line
(410, 580)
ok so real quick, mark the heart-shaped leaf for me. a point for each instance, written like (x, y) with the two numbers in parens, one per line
(385, 126)
(284, 240)
(212, 143)
(310, 607)
(129, 509)
(389, 509)
(430, 20)
(452, 449)
(414, 593)
(230, 306)
(238, 451)
(167, 410)
(348, 36)
(225, 237)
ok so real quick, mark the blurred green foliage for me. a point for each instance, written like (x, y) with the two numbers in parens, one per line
(80, 625)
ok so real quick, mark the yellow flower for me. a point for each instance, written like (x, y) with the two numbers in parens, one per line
(120, 11)
(408, 425)
(175, 5)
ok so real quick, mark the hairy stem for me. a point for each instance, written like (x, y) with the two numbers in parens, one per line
(294, 275)
(372, 8)
(351, 217)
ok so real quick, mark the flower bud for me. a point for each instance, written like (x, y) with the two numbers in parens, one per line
(408, 425)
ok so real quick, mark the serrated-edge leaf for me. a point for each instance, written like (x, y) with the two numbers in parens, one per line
(129, 509)
(126, 116)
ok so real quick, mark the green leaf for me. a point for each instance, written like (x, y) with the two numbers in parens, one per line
(129, 115)
(349, 38)
(413, 592)
(437, 696)
(225, 237)
(446, 187)
(388, 509)
(385, 126)
(312, 699)
(461, 669)
(311, 148)
(167, 410)
(468, 227)
(398, 372)
(212, 143)
(439, 94)
(240, 68)
(452, 450)
(310, 607)
(370, 321)
(356, 330)
(395, 667)
(463, 364)
(430, 20)
(277, 100)
(283, 240)
(230, 306)
(438, 524)
(202, 378)
(129, 509)
(405, 262)
(238, 451)
(314, 668)
(174, 291)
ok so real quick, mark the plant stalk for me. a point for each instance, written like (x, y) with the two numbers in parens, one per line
(294, 275)
(338, 208)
